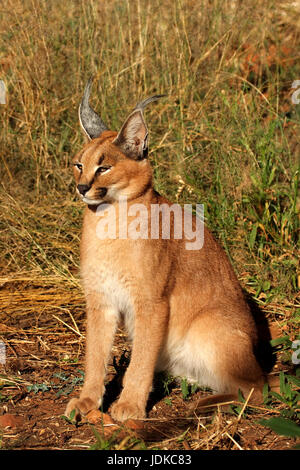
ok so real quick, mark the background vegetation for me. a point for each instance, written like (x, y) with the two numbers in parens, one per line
(227, 135)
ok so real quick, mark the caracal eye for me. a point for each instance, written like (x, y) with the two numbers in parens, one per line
(103, 169)
(79, 166)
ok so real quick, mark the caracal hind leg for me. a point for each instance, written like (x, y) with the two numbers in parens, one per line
(218, 353)
(101, 326)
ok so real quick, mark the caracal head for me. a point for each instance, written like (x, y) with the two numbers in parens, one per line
(112, 164)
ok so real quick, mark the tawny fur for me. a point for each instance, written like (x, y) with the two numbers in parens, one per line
(184, 309)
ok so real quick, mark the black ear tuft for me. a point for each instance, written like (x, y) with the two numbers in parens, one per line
(89, 120)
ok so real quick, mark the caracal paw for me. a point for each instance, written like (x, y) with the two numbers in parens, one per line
(82, 406)
(123, 410)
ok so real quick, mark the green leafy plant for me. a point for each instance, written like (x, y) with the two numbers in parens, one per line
(167, 380)
(4, 398)
(282, 426)
(289, 395)
(184, 389)
(35, 388)
(70, 419)
(103, 443)
(289, 348)
(239, 408)
(168, 401)
(69, 383)
(188, 389)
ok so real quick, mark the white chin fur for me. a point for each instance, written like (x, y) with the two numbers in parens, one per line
(91, 202)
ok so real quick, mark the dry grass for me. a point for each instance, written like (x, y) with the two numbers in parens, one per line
(226, 136)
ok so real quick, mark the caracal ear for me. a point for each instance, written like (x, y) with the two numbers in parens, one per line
(133, 136)
(91, 124)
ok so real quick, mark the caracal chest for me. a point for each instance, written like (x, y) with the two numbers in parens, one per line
(111, 271)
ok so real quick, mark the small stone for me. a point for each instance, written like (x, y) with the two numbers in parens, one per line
(9, 420)
(97, 417)
(134, 424)
(107, 419)
(94, 416)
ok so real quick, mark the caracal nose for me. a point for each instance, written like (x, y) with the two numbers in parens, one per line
(83, 188)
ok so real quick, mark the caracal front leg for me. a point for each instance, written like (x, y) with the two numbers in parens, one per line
(149, 334)
(101, 326)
